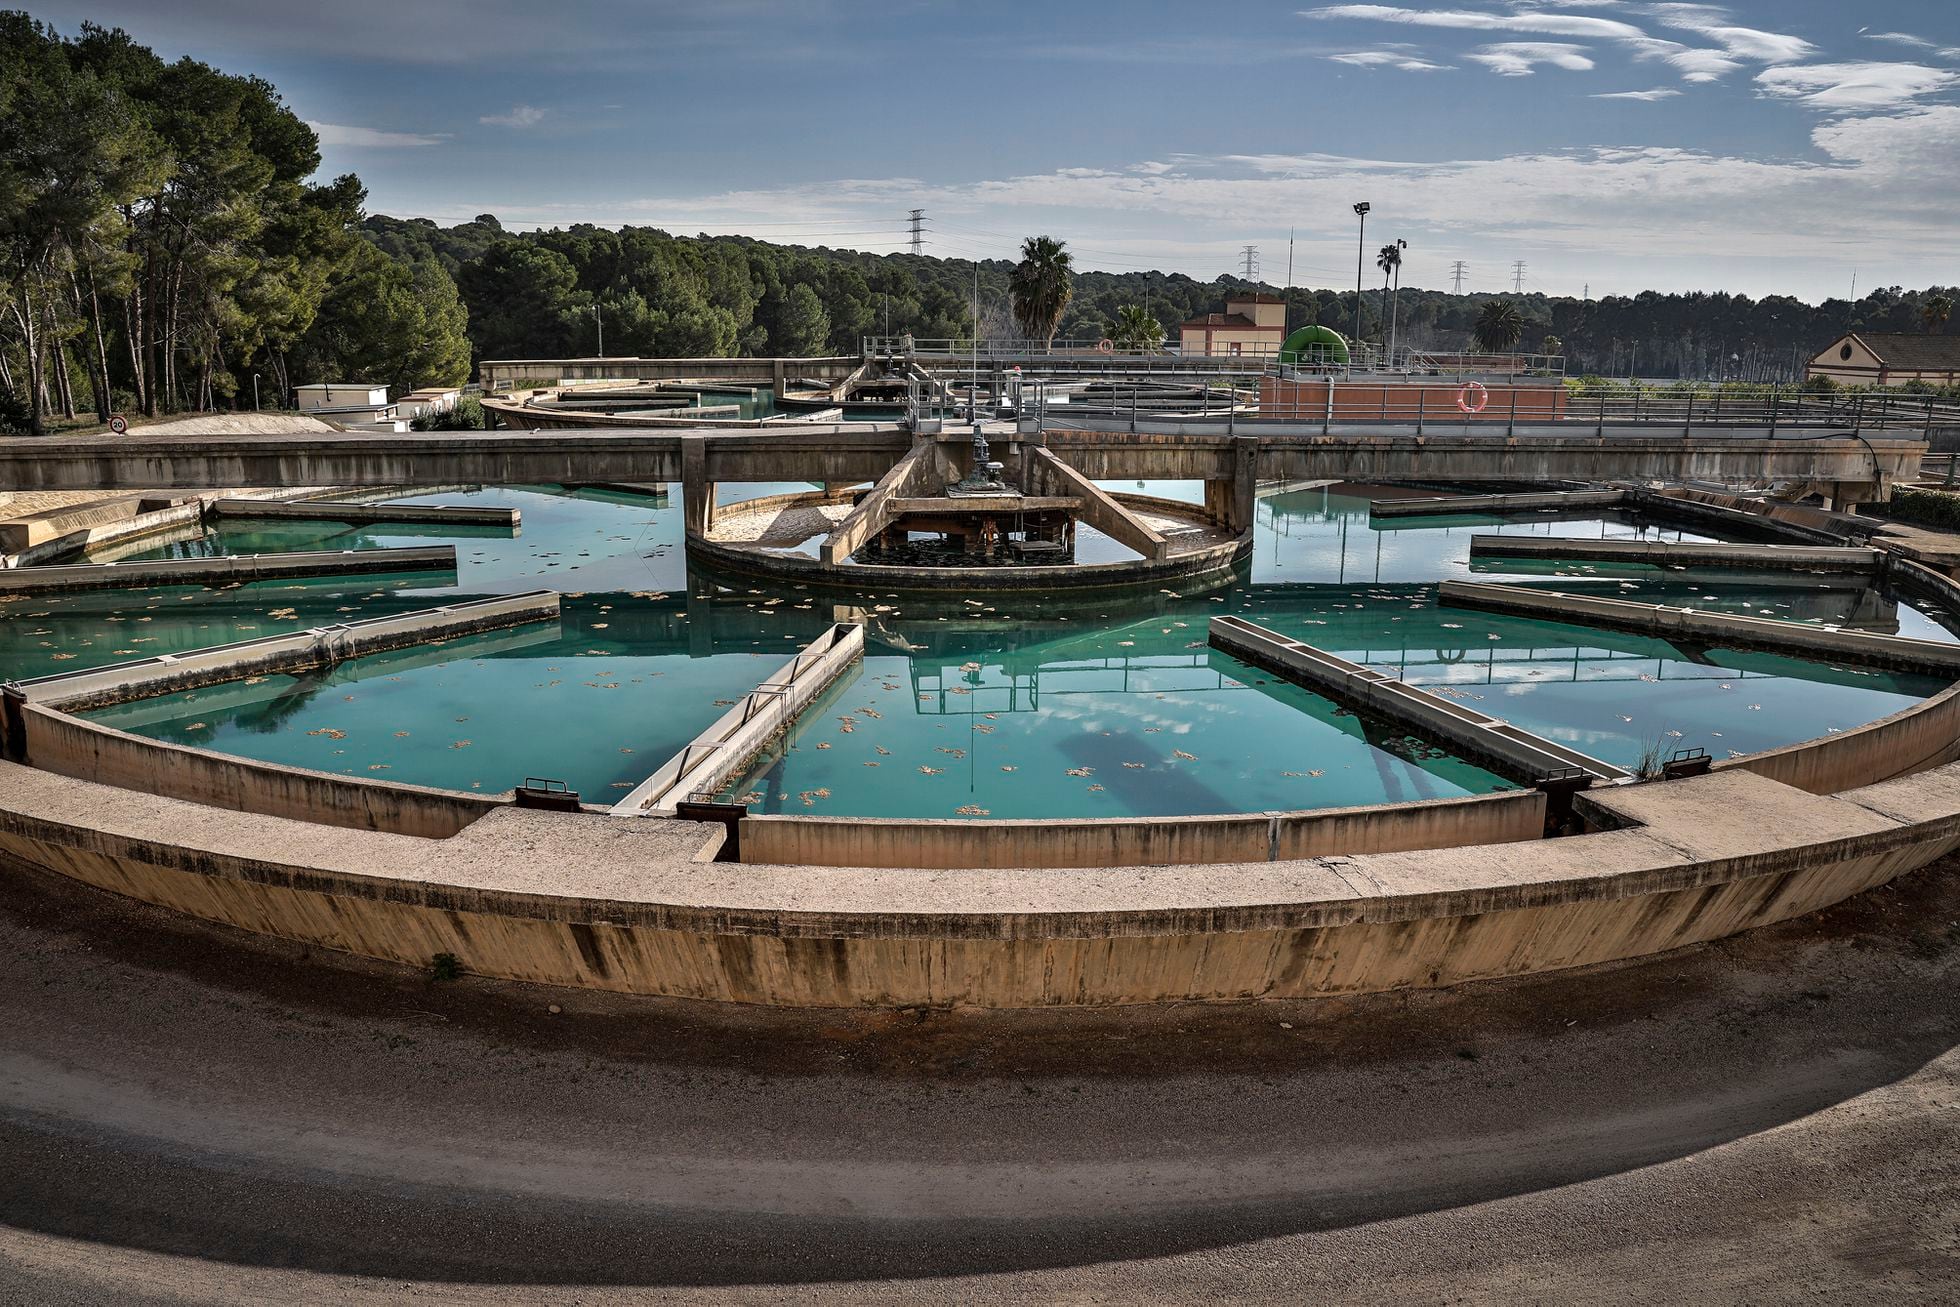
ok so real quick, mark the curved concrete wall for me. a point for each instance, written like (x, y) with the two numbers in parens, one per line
(1158, 841)
(589, 901)
(73, 746)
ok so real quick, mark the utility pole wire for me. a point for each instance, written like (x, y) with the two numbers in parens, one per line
(917, 218)
(1457, 272)
(1517, 277)
(1250, 257)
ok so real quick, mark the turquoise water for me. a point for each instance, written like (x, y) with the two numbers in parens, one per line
(1017, 708)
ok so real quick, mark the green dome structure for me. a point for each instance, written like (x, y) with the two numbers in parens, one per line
(1314, 345)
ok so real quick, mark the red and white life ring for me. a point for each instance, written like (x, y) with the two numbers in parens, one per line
(1105, 345)
(1473, 397)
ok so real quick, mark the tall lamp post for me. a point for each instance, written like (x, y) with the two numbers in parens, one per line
(600, 318)
(1360, 253)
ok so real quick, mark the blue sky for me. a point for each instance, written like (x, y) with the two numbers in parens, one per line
(1613, 144)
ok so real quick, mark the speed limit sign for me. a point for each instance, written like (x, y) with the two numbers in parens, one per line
(119, 424)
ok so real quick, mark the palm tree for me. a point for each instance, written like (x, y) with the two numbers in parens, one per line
(1388, 260)
(1136, 329)
(1936, 311)
(1040, 287)
(1499, 326)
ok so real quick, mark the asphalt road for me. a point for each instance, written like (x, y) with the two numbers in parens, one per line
(189, 1115)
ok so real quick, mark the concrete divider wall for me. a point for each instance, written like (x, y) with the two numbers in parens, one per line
(326, 510)
(1473, 734)
(1144, 841)
(299, 651)
(1482, 505)
(240, 568)
(72, 746)
(719, 753)
(121, 526)
(1696, 625)
(1679, 553)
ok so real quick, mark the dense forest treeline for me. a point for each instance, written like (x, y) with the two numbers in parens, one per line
(165, 245)
(533, 294)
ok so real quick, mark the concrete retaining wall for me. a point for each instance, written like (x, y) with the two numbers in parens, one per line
(1911, 740)
(72, 746)
(1150, 841)
(209, 571)
(632, 907)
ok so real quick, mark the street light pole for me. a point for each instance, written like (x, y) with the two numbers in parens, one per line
(1360, 253)
(255, 392)
(600, 317)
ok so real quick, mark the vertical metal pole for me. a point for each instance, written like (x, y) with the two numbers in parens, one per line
(1421, 395)
(1511, 427)
(1602, 413)
(1687, 427)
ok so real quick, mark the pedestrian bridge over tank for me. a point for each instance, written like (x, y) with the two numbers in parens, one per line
(1852, 467)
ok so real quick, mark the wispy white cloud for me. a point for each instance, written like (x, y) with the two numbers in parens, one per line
(1855, 86)
(1528, 21)
(371, 138)
(1898, 38)
(520, 115)
(1744, 42)
(1916, 42)
(1400, 60)
(1658, 93)
(1519, 58)
(1732, 45)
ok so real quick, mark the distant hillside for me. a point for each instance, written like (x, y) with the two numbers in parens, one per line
(533, 294)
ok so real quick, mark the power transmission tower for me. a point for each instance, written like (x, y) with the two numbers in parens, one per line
(917, 218)
(1517, 277)
(1249, 256)
(1458, 271)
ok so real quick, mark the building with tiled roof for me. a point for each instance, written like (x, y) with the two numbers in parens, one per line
(1889, 358)
(1252, 325)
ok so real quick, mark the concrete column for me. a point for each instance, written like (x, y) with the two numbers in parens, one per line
(697, 492)
(777, 376)
(1233, 502)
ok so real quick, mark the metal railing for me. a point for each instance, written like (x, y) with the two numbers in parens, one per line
(1363, 356)
(1446, 404)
